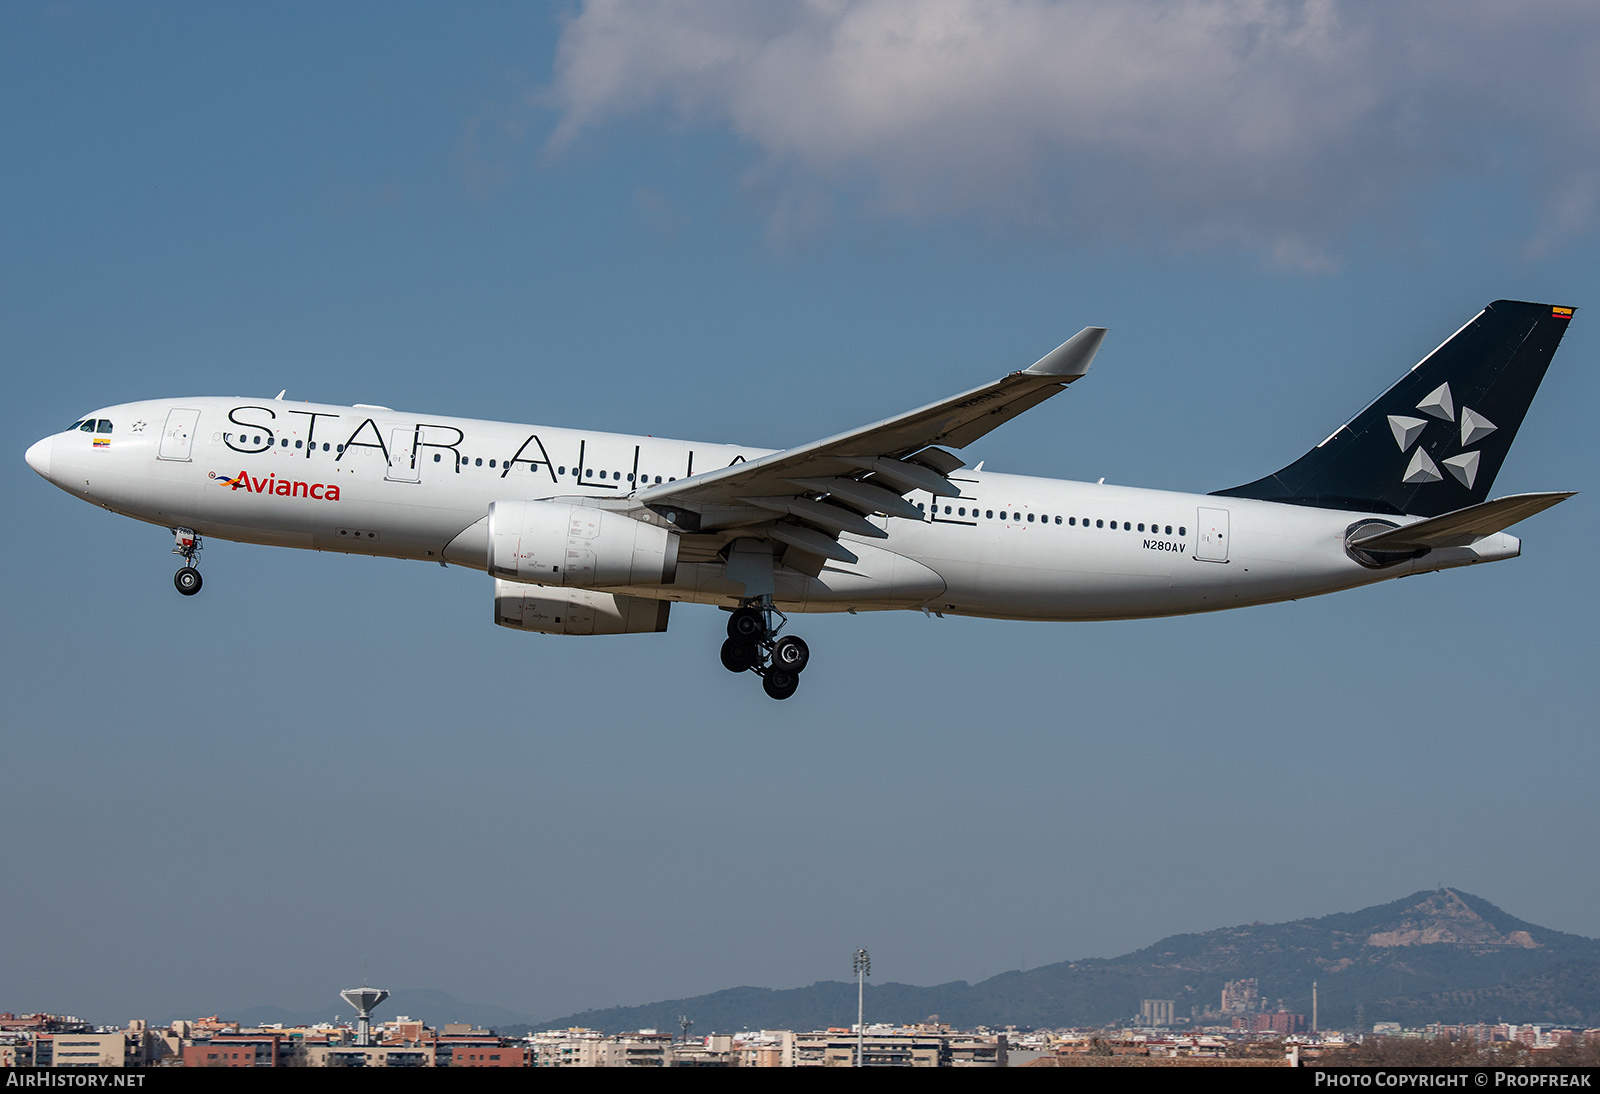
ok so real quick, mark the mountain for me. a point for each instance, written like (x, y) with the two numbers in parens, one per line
(1443, 956)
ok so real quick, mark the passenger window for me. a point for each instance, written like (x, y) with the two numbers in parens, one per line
(1182, 531)
(1058, 520)
(961, 512)
(437, 456)
(1099, 524)
(1169, 530)
(1141, 526)
(297, 444)
(1030, 518)
(589, 474)
(1127, 526)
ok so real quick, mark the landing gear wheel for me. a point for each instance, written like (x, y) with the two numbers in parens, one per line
(738, 656)
(779, 684)
(186, 543)
(791, 654)
(187, 580)
(753, 645)
(747, 625)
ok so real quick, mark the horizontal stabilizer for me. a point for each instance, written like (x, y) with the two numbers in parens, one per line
(1464, 526)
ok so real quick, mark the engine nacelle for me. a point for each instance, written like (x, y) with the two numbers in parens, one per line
(575, 611)
(557, 544)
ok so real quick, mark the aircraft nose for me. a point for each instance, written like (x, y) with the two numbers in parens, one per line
(38, 456)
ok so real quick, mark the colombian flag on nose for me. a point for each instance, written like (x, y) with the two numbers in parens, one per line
(102, 442)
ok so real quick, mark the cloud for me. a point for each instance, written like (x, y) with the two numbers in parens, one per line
(1272, 125)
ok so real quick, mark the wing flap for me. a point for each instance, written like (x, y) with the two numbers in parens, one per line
(831, 518)
(906, 476)
(811, 541)
(865, 496)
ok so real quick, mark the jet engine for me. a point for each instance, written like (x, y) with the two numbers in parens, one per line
(558, 544)
(575, 611)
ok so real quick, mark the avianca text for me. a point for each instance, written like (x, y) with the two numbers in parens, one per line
(283, 488)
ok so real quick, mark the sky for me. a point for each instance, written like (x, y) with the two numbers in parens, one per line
(764, 224)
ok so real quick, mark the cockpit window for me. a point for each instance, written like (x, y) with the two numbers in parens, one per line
(75, 425)
(104, 426)
(86, 426)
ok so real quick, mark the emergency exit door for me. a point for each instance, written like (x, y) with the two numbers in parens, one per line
(1211, 535)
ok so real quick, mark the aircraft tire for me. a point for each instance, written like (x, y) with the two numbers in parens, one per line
(187, 581)
(791, 654)
(738, 656)
(779, 684)
(747, 625)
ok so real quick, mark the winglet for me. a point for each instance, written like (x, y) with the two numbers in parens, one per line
(1071, 358)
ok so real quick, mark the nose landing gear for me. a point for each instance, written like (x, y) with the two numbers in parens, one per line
(187, 543)
(753, 645)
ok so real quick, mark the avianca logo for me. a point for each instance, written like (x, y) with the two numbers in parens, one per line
(283, 488)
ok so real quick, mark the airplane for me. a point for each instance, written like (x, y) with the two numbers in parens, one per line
(588, 533)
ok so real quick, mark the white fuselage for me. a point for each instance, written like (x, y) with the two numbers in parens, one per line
(369, 480)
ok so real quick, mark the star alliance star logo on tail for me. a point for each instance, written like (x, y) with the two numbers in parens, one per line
(1408, 430)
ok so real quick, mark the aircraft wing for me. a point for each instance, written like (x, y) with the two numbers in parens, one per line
(805, 497)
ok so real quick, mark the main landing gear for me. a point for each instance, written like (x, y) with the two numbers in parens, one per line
(753, 645)
(187, 544)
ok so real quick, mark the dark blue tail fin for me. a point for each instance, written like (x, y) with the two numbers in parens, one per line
(1433, 442)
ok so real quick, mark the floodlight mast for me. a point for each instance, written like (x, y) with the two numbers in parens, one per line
(863, 969)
